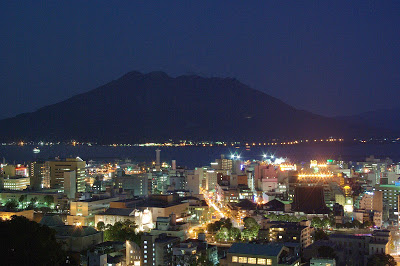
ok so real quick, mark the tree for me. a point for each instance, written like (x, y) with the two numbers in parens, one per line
(33, 200)
(22, 199)
(234, 233)
(48, 199)
(226, 222)
(316, 222)
(272, 216)
(326, 252)
(381, 260)
(216, 226)
(367, 224)
(122, 231)
(29, 243)
(223, 234)
(250, 222)
(101, 226)
(11, 205)
(251, 228)
(203, 260)
(325, 222)
(320, 235)
(32, 203)
(302, 218)
(357, 224)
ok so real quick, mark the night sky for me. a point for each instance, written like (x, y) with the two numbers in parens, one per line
(328, 57)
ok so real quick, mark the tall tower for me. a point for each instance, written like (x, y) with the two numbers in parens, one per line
(158, 166)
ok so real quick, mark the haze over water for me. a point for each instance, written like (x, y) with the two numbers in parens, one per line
(200, 156)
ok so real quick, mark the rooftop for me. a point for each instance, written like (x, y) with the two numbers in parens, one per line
(51, 220)
(74, 231)
(270, 250)
(118, 211)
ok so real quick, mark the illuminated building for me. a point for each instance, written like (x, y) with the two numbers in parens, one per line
(193, 182)
(15, 182)
(8, 170)
(171, 226)
(211, 180)
(201, 172)
(288, 167)
(159, 205)
(21, 171)
(36, 174)
(70, 184)
(57, 169)
(268, 185)
(309, 200)
(158, 165)
(294, 232)
(157, 249)
(352, 249)
(177, 181)
(133, 254)
(390, 203)
(83, 212)
(222, 164)
(137, 184)
(366, 202)
(102, 254)
(191, 249)
(159, 182)
(73, 238)
(142, 219)
(328, 181)
(259, 254)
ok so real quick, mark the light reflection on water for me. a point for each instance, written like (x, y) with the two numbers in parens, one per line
(201, 156)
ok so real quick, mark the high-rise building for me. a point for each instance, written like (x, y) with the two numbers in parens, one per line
(70, 183)
(136, 183)
(157, 249)
(158, 158)
(57, 169)
(193, 182)
(36, 174)
(389, 201)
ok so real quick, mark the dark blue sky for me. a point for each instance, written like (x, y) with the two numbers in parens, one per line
(328, 57)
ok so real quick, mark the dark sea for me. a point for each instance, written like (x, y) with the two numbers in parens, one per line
(200, 156)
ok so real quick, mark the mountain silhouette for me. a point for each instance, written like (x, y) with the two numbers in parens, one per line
(155, 107)
(383, 118)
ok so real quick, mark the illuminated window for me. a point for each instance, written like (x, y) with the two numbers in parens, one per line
(234, 259)
(242, 259)
(252, 260)
(269, 262)
(261, 261)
